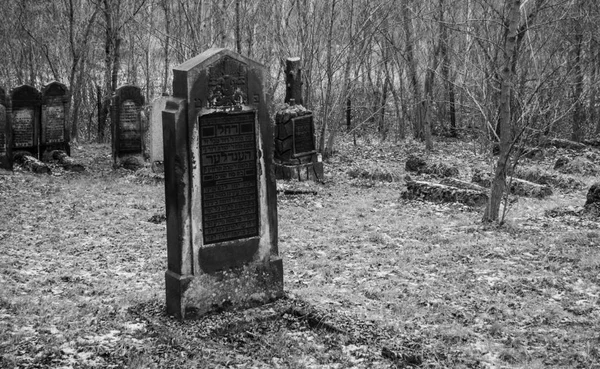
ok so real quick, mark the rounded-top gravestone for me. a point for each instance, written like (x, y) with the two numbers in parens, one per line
(25, 118)
(54, 128)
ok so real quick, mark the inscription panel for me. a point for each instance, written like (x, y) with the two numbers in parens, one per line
(2, 129)
(304, 141)
(130, 135)
(55, 122)
(23, 121)
(228, 176)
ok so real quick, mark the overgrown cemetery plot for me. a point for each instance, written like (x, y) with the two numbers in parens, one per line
(371, 279)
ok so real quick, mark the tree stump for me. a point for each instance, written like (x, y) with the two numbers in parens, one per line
(441, 193)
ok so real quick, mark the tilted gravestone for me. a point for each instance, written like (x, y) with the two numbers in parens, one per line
(54, 128)
(221, 198)
(126, 116)
(5, 132)
(25, 119)
(296, 156)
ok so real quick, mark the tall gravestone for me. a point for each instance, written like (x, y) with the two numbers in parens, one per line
(54, 129)
(221, 198)
(127, 127)
(155, 133)
(25, 119)
(296, 155)
(5, 132)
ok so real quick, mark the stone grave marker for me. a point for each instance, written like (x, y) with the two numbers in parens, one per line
(54, 129)
(220, 191)
(127, 127)
(296, 156)
(5, 133)
(155, 133)
(25, 119)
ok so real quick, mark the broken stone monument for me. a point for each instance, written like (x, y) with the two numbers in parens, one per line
(126, 115)
(220, 190)
(54, 129)
(5, 133)
(25, 119)
(296, 156)
(154, 140)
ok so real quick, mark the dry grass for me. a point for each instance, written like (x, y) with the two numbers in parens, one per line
(372, 280)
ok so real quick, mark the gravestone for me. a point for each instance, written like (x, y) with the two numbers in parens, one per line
(5, 133)
(296, 156)
(25, 119)
(220, 191)
(155, 133)
(126, 116)
(54, 129)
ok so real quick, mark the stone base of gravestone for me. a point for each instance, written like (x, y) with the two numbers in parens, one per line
(243, 287)
(295, 156)
(310, 171)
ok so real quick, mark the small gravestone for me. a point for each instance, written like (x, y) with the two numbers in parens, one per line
(5, 133)
(296, 156)
(220, 190)
(155, 133)
(25, 119)
(54, 128)
(127, 127)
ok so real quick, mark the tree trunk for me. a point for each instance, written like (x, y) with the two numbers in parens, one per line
(499, 184)
(165, 83)
(418, 129)
(329, 89)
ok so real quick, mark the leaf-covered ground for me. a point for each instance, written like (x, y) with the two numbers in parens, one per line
(372, 281)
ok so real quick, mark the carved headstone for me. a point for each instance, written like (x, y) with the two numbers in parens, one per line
(126, 115)
(220, 190)
(55, 107)
(25, 119)
(296, 156)
(5, 132)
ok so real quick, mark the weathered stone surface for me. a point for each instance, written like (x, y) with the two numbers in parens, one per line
(517, 186)
(415, 164)
(532, 153)
(127, 127)
(54, 131)
(561, 162)
(5, 133)
(593, 195)
(31, 163)
(220, 192)
(154, 146)
(441, 193)
(462, 184)
(564, 144)
(578, 165)
(544, 177)
(25, 117)
(295, 147)
(300, 172)
(61, 157)
(420, 166)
